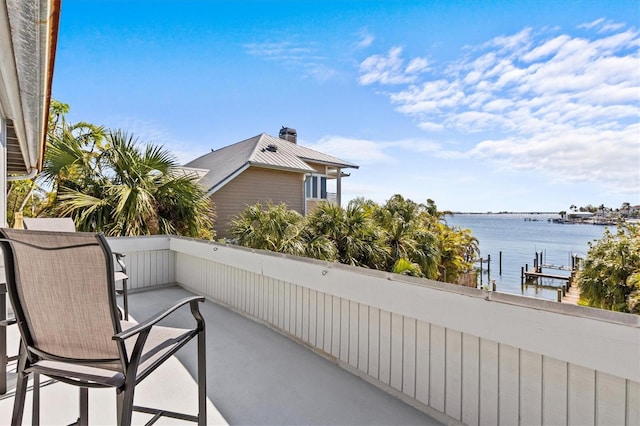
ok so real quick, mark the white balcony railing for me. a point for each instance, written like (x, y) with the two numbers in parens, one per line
(457, 353)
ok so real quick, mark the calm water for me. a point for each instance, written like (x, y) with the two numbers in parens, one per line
(519, 240)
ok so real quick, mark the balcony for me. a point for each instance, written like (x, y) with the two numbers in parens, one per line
(299, 341)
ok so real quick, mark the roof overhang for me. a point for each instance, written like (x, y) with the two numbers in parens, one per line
(28, 38)
(281, 168)
(328, 163)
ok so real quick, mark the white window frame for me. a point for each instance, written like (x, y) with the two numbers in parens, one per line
(310, 191)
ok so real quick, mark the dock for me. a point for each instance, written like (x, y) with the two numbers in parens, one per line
(572, 295)
(558, 267)
(538, 274)
(566, 292)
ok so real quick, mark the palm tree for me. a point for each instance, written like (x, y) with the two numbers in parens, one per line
(458, 249)
(401, 237)
(108, 184)
(24, 198)
(353, 233)
(273, 227)
(407, 235)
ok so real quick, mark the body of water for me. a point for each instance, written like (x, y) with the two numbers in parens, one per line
(519, 237)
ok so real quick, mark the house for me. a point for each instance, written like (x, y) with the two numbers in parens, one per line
(580, 215)
(265, 168)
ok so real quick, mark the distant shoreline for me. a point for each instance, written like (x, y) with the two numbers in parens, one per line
(521, 213)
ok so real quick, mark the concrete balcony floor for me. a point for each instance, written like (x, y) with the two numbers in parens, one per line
(255, 376)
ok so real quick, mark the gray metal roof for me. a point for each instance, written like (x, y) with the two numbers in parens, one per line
(260, 151)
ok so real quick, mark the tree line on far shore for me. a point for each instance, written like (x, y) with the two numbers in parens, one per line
(626, 210)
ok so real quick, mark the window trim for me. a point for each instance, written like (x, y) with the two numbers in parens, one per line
(315, 186)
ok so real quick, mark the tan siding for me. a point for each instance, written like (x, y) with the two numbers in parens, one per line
(257, 185)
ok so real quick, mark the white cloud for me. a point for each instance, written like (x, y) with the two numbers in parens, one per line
(548, 48)
(295, 56)
(512, 42)
(417, 65)
(390, 69)
(590, 25)
(563, 105)
(497, 105)
(280, 51)
(430, 126)
(319, 72)
(363, 151)
(611, 26)
(360, 151)
(366, 39)
(604, 25)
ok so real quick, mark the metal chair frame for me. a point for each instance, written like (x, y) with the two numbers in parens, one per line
(126, 364)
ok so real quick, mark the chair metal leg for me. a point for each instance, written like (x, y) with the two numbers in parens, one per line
(83, 420)
(35, 408)
(21, 392)
(125, 405)
(4, 360)
(202, 379)
(119, 399)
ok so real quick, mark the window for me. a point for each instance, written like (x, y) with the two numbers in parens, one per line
(315, 186)
(323, 188)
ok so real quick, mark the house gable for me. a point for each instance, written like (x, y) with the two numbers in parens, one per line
(253, 185)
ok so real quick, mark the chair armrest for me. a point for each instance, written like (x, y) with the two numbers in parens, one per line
(125, 334)
(119, 256)
(8, 322)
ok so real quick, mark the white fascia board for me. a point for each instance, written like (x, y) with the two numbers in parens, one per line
(228, 179)
(329, 163)
(284, 169)
(10, 101)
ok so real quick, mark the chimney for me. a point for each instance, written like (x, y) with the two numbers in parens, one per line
(289, 134)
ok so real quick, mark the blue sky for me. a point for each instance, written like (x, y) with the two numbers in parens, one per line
(478, 105)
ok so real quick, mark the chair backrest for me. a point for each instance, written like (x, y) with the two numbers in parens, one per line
(63, 293)
(61, 224)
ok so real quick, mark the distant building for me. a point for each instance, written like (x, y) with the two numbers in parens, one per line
(580, 215)
(265, 168)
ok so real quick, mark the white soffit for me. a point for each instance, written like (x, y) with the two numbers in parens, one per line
(28, 33)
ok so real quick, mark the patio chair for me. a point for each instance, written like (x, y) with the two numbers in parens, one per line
(66, 224)
(85, 343)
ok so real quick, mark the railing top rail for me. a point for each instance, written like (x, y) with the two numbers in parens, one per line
(500, 297)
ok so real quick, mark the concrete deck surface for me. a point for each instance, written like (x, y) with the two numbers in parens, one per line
(257, 376)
